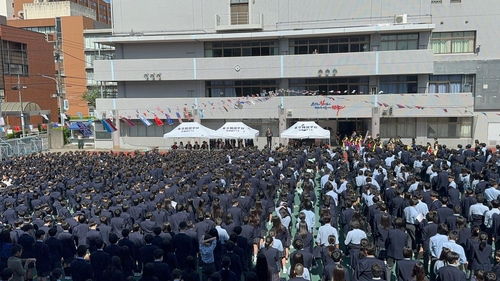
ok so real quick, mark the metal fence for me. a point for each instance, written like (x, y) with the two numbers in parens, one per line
(23, 146)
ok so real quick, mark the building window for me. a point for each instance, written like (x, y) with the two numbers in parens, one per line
(15, 58)
(393, 127)
(42, 29)
(451, 83)
(453, 42)
(140, 130)
(242, 49)
(240, 88)
(394, 42)
(399, 84)
(351, 44)
(100, 132)
(335, 86)
(449, 127)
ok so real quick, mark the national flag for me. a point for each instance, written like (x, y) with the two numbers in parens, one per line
(400, 106)
(408, 106)
(169, 120)
(90, 122)
(111, 114)
(179, 117)
(2, 129)
(31, 127)
(68, 124)
(80, 115)
(127, 121)
(64, 117)
(145, 121)
(45, 117)
(158, 121)
(200, 113)
(380, 104)
(445, 110)
(106, 126)
(17, 129)
(419, 107)
(111, 124)
(186, 114)
(225, 109)
(56, 125)
(385, 104)
(484, 113)
(44, 126)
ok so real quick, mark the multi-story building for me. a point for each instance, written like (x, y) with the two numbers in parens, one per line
(64, 22)
(24, 55)
(100, 8)
(7, 8)
(416, 69)
(95, 50)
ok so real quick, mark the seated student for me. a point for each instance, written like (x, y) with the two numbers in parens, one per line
(404, 267)
(451, 271)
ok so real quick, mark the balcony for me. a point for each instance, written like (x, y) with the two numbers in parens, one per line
(239, 21)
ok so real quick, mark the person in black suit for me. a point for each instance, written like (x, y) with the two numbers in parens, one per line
(55, 249)
(161, 269)
(377, 272)
(272, 257)
(451, 271)
(68, 246)
(99, 260)
(236, 265)
(225, 272)
(81, 270)
(146, 251)
(363, 271)
(444, 211)
(125, 241)
(404, 267)
(113, 249)
(480, 254)
(429, 230)
(41, 253)
(182, 245)
(397, 239)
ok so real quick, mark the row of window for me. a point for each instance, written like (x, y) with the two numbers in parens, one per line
(390, 84)
(440, 43)
(15, 58)
(437, 127)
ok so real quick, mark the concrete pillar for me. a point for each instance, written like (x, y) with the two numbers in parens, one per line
(116, 134)
(375, 127)
(196, 116)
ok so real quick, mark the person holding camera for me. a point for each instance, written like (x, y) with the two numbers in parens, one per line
(16, 263)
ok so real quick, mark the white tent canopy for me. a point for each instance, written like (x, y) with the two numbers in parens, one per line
(305, 130)
(190, 130)
(236, 130)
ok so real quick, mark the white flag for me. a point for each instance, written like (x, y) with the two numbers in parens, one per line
(45, 117)
(2, 121)
(64, 117)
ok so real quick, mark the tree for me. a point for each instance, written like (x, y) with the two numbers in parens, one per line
(91, 95)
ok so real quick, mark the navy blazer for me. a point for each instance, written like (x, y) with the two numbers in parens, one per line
(404, 269)
(449, 272)
(162, 271)
(363, 272)
(81, 270)
(396, 241)
(99, 260)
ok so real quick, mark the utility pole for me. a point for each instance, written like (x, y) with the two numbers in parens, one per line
(60, 93)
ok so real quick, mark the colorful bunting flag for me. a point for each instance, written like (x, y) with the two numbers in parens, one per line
(400, 106)
(106, 126)
(145, 121)
(186, 114)
(158, 121)
(179, 117)
(169, 120)
(445, 110)
(17, 129)
(111, 124)
(385, 104)
(80, 115)
(484, 113)
(45, 117)
(127, 121)
(64, 117)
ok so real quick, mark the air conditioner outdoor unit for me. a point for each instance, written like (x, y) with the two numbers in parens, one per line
(385, 112)
(289, 113)
(401, 19)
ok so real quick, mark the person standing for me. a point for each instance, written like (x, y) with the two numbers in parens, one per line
(207, 246)
(15, 263)
(269, 136)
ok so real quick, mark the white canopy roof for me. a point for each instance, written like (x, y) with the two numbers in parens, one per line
(236, 130)
(305, 130)
(190, 130)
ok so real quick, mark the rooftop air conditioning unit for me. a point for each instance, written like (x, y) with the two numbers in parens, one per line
(401, 19)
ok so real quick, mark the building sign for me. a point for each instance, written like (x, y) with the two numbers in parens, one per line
(326, 105)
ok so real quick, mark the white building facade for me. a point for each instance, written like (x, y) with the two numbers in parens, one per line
(415, 69)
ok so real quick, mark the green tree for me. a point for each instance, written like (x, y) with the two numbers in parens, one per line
(91, 95)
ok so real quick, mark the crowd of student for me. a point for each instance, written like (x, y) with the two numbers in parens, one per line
(225, 215)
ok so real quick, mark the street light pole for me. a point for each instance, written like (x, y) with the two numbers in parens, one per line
(59, 96)
(18, 88)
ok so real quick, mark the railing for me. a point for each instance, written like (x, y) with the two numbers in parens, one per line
(23, 146)
(239, 20)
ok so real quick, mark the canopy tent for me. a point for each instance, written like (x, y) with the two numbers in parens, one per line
(236, 130)
(306, 130)
(190, 130)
